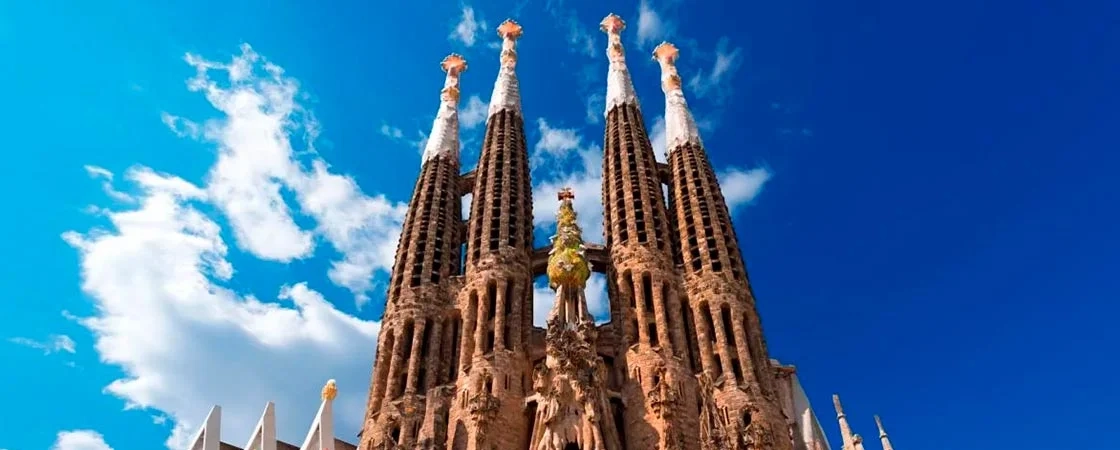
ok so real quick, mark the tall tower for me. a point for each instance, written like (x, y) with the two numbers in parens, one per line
(730, 334)
(496, 299)
(416, 331)
(649, 301)
(886, 441)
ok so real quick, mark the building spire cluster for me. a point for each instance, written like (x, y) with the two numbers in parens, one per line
(682, 363)
(851, 440)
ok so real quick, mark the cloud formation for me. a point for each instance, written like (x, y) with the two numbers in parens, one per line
(714, 84)
(262, 131)
(80, 440)
(652, 28)
(466, 30)
(740, 187)
(166, 313)
(54, 343)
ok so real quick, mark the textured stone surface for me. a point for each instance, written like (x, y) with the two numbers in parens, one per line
(682, 364)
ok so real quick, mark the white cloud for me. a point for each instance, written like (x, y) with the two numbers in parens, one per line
(740, 187)
(184, 340)
(474, 113)
(466, 31)
(395, 134)
(80, 440)
(54, 343)
(181, 127)
(595, 105)
(715, 83)
(652, 29)
(258, 163)
(555, 142)
(106, 178)
(657, 138)
(581, 39)
(165, 312)
(391, 132)
(555, 147)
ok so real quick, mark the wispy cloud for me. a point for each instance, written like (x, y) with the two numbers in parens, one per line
(80, 440)
(580, 36)
(473, 113)
(466, 30)
(714, 84)
(554, 143)
(652, 26)
(106, 177)
(397, 135)
(54, 343)
(181, 127)
(740, 187)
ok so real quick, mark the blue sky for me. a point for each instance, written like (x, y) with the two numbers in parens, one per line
(925, 195)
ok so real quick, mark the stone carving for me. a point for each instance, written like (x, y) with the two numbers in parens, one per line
(483, 405)
(569, 386)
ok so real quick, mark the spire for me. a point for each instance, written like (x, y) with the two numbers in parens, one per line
(619, 87)
(507, 90)
(264, 435)
(444, 138)
(680, 126)
(883, 434)
(845, 429)
(567, 264)
(209, 437)
(321, 434)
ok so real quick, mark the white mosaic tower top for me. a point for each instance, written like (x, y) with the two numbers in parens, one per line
(444, 138)
(680, 126)
(507, 90)
(619, 87)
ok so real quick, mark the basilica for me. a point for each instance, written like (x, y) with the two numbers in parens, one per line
(683, 362)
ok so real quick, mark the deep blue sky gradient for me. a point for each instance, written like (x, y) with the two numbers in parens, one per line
(938, 242)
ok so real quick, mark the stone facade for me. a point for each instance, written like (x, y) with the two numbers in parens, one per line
(683, 364)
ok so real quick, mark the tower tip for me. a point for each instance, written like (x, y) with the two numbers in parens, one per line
(612, 24)
(666, 52)
(836, 403)
(453, 64)
(565, 194)
(509, 29)
(330, 391)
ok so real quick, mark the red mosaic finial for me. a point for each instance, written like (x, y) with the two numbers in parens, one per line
(453, 64)
(667, 52)
(509, 30)
(612, 24)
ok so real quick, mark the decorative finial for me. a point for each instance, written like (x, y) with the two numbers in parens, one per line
(886, 441)
(330, 391)
(667, 55)
(509, 30)
(666, 52)
(454, 64)
(836, 403)
(565, 194)
(567, 265)
(612, 24)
